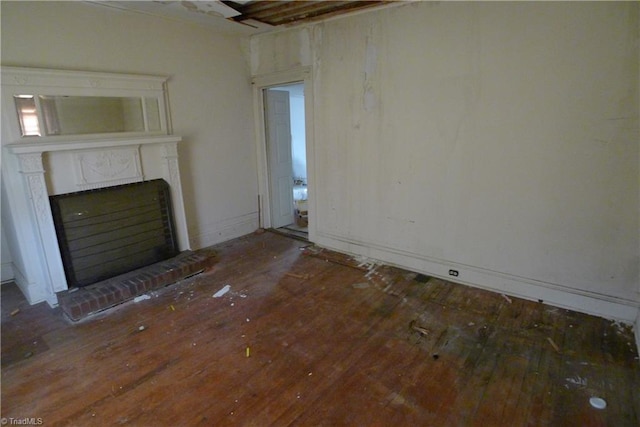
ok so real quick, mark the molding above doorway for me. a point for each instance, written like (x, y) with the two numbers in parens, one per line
(293, 75)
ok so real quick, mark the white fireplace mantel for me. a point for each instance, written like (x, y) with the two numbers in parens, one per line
(94, 163)
(76, 131)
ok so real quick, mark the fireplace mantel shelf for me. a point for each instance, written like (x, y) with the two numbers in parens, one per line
(82, 144)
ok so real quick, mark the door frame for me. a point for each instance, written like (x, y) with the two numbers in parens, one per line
(297, 75)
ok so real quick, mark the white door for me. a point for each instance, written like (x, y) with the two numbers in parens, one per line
(278, 127)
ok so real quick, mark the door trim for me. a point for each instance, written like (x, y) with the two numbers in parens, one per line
(304, 75)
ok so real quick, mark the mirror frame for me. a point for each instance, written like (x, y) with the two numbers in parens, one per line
(39, 81)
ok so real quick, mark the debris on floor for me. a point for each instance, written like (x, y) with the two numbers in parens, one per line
(598, 402)
(553, 344)
(222, 291)
(298, 276)
(413, 326)
(506, 298)
(141, 298)
(577, 381)
(362, 285)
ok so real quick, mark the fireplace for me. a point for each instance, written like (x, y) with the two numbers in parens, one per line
(69, 158)
(98, 164)
(109, 231)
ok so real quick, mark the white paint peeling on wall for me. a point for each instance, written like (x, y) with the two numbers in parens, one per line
(370, 59)
(370, 65)
(369, 99)
(254, 55)
(316, 37)
(304, 40)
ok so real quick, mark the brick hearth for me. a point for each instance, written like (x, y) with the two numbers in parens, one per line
(80, 303)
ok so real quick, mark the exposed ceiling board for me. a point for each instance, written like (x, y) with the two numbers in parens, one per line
(242, 16)
(295, 11)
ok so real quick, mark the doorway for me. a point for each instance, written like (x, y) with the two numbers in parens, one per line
(285, 136)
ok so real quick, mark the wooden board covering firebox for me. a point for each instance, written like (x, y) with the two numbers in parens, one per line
(110, 231)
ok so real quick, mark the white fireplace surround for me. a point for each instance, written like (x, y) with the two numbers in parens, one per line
(34, 168)
(94, 164)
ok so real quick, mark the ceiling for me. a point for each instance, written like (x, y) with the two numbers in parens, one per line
(243, 16)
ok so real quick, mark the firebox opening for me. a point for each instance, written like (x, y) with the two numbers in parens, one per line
(110, 231)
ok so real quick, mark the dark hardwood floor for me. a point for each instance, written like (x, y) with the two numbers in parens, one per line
(310, 337)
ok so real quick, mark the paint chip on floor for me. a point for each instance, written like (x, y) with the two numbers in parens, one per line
(141, 298)
(222, 291)
(598, 402)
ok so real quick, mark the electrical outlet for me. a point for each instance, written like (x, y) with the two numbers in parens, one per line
(454, 273)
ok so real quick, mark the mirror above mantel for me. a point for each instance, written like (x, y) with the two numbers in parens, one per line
(50, 115)
(42, 104)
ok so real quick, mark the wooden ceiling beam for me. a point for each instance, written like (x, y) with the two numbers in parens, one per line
(260, 6)
(286, 12)
(341, 11)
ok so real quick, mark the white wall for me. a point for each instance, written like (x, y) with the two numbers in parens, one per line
(497, 139)
(209, 93)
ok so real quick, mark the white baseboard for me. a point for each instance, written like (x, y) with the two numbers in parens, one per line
(31, 292)
(609, 307)
(221, 231)
(23, 284)
(6, 272)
